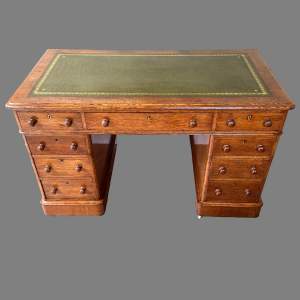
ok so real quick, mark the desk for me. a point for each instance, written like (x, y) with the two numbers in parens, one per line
(74, 103)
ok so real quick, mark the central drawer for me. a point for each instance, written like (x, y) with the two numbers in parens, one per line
(148, 122)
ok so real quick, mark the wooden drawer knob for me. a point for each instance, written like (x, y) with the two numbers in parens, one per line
(78, 168)
(218, 192)
(41, 146)
(68, 122)
(267, 123)
(48, 168)
(260, 148)
(82, 189)
(226, 148)
(222, 170)
(193, 123)
(248, 192)
(230, 123)
(74, 146)
(54, 190)
(32, 121)
(105, 122)
(253, 170)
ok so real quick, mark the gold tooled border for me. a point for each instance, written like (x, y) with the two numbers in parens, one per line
(38, 91)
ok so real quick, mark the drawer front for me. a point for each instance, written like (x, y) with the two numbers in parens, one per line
(228, 168)
(67, 167)
(36, 121)
(57, 144)
(233, 191)
(69, 188)
(251, 121)
(152, 122)
(244, 145)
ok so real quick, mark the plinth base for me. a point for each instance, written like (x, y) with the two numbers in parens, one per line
(245, 210)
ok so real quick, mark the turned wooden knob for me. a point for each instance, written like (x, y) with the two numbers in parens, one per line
(74, 146)
(222, 170)
(41, 146)
(82, 189)
(267, 123)
(226, 148)
(253, 170)
(68, 122)
(32, 121)
(54, 190)
(248, 192)
(218, 192)
(193, 123)
(47, 168)
(105, 122)
(230, 123)
(260, 148)
(78, 167)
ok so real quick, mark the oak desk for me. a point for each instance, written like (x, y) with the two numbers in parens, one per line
(74, 102)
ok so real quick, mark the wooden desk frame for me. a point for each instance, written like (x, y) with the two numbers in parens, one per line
(233, 138)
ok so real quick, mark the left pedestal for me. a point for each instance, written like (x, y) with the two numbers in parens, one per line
(73, 172)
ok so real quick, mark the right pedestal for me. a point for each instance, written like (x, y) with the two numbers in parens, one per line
(230, 172)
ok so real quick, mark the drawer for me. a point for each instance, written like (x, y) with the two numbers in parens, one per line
(233, 191)
(223, 168)
(57, 144)
(67, 167)
(42, 121)
(69, 188)
(251, 121)
(152, 122)
(247, 145)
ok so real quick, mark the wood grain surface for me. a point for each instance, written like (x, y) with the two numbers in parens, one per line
(233, 138)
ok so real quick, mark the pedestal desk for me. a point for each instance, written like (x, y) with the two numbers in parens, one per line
(74, 103)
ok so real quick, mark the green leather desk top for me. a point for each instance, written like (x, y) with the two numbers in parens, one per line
(142, 81)
(85, 75)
